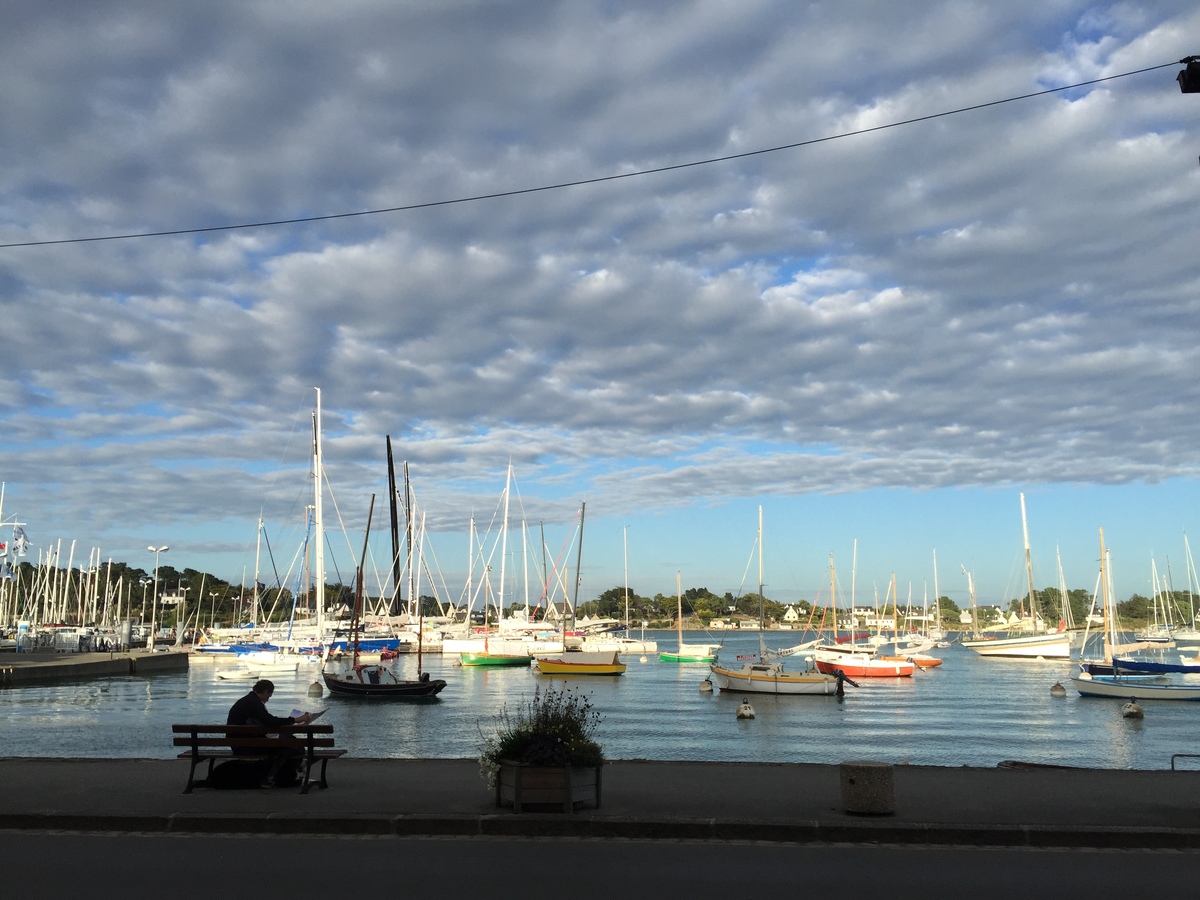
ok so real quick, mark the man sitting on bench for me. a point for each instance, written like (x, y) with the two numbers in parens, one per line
(252, 710)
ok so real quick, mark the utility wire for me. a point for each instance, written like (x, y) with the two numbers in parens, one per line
(599, 179)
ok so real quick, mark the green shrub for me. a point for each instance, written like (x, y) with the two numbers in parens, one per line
(555, 728)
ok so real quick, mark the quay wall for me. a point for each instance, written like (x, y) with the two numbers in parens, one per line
(18, 669)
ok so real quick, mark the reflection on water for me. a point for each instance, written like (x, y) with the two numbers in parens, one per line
(970, 711)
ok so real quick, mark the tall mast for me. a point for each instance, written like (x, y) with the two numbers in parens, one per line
(318, 518)
(408, 532)
(937, 598)
(625, 544)
(503, 544)
(1104, 600)
(1029, 569)
(679, 604)
(833, 597)
(395, 517)
(358, 587)
(257, 554)
(895, 610)
(761, 603)
(578, 569)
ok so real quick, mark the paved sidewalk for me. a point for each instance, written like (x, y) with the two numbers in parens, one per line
(1039, 807)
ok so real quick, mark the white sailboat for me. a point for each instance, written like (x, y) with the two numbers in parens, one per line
(686, 653)
(767, 675)
(1037, 644)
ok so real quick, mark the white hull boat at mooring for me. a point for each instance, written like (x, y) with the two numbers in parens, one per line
(1031, 646)
(772, 678)
(1117, 688)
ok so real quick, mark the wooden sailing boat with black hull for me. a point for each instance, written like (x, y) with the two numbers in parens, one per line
(375, 680)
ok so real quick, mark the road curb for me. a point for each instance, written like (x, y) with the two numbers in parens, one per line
(538, 825)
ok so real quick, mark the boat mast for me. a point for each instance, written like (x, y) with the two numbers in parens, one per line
(679, 604)
(1033, 613)
(895, 613)
(937, 599)
(395, 516)
(1104, 600)
(761, 602)
(358, 587)
(625, 543)
(1191, 570)
(503, 547)
(854, 584)
(578, 571)
(318, 520)
(408, 534)
(833, 598)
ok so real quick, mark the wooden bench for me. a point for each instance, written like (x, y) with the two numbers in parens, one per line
(312, 744)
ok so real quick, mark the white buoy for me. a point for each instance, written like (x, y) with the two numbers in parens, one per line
(315, 689)
(745, 710)
(1057, 690)
(1132, 709)
(706, 686)
(643, 659)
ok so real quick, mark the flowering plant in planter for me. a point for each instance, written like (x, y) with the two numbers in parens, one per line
(555, 728)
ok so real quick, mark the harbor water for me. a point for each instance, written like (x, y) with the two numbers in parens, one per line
(969, 711)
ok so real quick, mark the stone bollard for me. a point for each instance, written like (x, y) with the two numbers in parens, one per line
(868, 788)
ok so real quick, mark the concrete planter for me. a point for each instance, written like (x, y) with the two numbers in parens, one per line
(528, 788)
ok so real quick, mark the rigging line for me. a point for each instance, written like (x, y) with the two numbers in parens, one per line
(599, 179)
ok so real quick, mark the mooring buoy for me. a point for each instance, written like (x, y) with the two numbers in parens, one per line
(1133, 709)
(1057, 690)
(745, 710)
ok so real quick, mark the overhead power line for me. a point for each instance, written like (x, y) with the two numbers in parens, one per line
(598, 179)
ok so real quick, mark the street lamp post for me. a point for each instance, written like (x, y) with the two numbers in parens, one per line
(154, 603)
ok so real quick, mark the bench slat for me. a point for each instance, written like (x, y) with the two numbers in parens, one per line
(249, 729)
(226, 753)
(264, 742)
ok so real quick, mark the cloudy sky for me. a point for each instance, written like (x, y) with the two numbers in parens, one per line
(884, 337)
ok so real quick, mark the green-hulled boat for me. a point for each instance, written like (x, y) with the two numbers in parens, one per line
(687, 653)
(495, 660)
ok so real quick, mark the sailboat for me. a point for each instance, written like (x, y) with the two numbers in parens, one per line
(375, 680)
(851, 660)
(579, 662)
(767, 675)
(1039, 643)
(686, 653)
(503, 653)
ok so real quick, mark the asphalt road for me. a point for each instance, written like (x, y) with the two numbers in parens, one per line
(49, 865)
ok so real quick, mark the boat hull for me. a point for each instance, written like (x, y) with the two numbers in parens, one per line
(768, 679)
(399, 690)
(1030, 646)
(854, 663)
(689, 653)
(566, 666)
(1160, 668)
(853, 667)
(1119, 689)
(495, 660)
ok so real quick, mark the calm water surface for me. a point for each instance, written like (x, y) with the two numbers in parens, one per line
(970, 711)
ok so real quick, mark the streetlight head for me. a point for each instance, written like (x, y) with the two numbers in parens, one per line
(152, 549)
(1189, 78)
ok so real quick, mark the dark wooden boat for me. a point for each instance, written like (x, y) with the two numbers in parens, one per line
(374, 680)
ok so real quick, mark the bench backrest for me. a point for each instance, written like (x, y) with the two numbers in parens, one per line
(252, 736)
